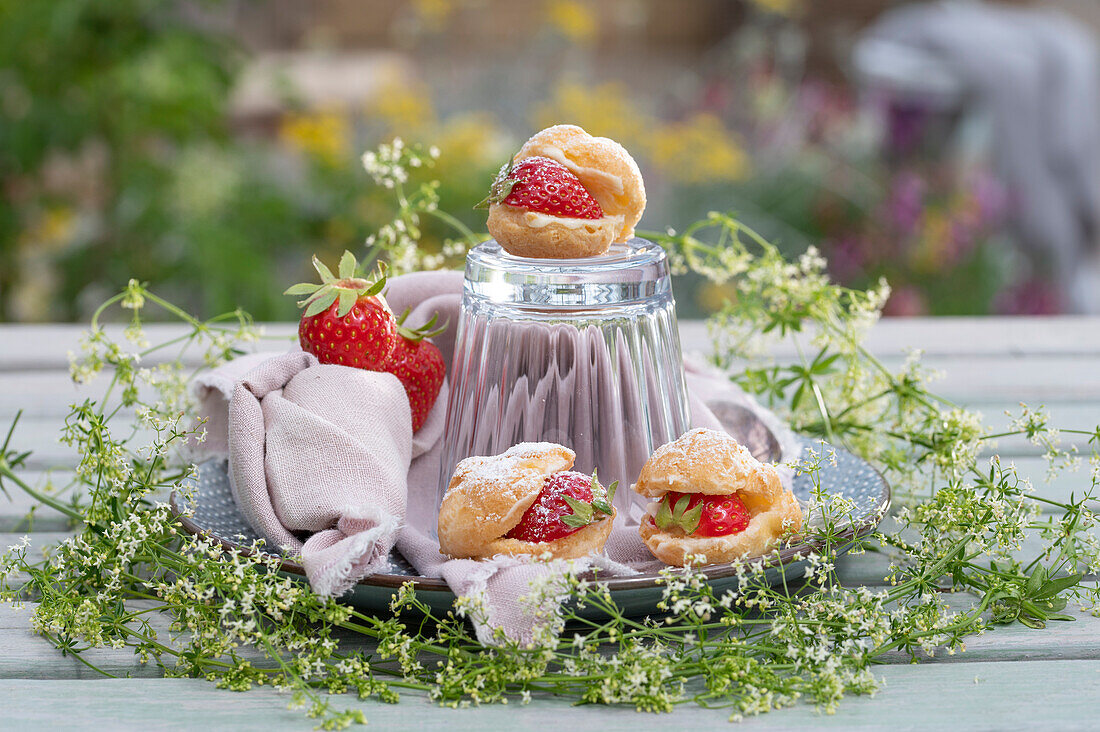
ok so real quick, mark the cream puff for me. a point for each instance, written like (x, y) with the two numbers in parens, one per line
(524, 501)
(566, 194)
(713, 500)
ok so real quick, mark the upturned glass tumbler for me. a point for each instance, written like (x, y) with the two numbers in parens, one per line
(581, 352)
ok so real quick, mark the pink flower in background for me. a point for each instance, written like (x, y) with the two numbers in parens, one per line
(826, 111)
(991, 196)
(905, 204)
(1033, 296)
(961, 240)
(716, 96)
(847, 256)
(906, 300)
(905, 124)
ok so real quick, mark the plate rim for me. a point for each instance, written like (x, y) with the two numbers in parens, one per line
(643, 580)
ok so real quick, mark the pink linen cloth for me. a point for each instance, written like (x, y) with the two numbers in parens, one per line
(323, 462)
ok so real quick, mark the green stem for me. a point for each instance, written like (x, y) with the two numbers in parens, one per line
(42, 498)
(471, 238)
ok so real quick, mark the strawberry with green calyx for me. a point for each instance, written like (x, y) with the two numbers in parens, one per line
(544, 186)
(428, 330)
(346, 319)
(348, 322)
(567, 503)
(696, 514)
(418, 365)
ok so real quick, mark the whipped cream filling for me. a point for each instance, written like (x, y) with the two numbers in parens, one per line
(613, 182)
(537, 220)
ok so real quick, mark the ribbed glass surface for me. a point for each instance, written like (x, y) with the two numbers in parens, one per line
(585, 353)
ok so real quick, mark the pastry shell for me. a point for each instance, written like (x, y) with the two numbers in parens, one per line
(487, 497)
(528, 234)
(574, 546)
(603, 166)
(709, 462)
(714, 463)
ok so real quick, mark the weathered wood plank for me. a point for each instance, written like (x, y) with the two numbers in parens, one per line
(13, 510)
(913, 697)
(45, 394)
(40, 540)
(47, 345)
(991, 364)
(958, 336)
(39, 347)
(993, 384)
(20, 513)
(28, 656)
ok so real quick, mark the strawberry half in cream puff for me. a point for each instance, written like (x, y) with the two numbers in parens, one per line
(713, 500)
(565, 195)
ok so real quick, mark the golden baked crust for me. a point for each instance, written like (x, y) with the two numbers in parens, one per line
(487, 497)
(709, 462)
(714, 463)
(603, 166)
(760, 536)
(527, 234)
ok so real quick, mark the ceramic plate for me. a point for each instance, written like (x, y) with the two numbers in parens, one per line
(212, 512)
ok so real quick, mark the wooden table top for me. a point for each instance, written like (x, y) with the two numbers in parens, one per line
(1011, 677)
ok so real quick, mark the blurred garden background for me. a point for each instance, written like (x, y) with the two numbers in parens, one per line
(209, 148)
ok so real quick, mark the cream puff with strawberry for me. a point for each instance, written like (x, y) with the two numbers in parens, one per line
(524, 501)
(565, 195)
(714, 500)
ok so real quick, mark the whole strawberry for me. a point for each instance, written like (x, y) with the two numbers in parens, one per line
(419, 366)
(346, 321)
(545, 186)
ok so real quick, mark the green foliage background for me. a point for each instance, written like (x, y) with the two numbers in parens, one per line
(120, 158)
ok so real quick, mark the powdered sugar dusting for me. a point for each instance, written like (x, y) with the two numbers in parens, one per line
(497, 467)
(703, 445)
(529, 449)
(674, 461)
(516, 472)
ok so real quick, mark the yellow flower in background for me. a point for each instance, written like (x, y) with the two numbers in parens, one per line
(469, 142)
(605, 110)
(324, 134)
(52, 229)
(576, 21)
(780, 7)
(405, 108)
(711, 297)
(433, 13)
(699, 149)
(935, 233)
(339, 231)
